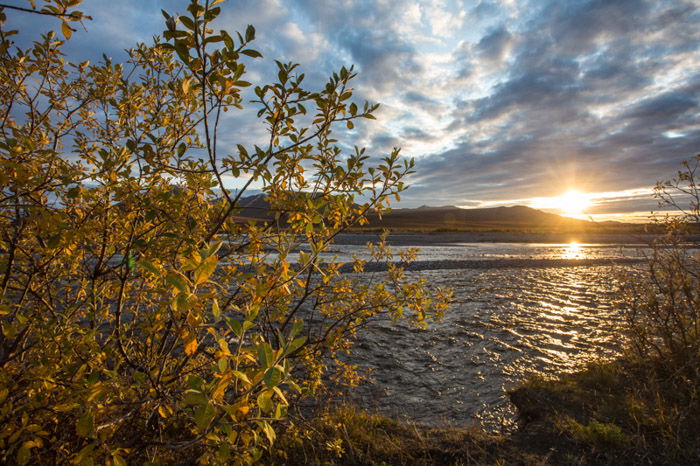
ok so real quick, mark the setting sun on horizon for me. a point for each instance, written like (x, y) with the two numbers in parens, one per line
(572, 203)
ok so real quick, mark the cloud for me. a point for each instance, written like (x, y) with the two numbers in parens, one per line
(498, 100)
(494, 45)
(590, 95)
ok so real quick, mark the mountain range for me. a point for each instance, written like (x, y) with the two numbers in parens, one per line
(451, 218)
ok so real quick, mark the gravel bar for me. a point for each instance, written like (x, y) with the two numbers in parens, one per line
(494, 264)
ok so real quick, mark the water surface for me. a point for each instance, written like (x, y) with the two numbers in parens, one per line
(506, 323)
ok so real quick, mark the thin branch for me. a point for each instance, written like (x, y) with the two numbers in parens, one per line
(73, 16)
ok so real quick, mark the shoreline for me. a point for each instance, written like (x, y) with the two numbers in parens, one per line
(489, 264)
(439, 238)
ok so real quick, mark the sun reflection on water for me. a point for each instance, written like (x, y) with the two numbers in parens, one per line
(573, 251)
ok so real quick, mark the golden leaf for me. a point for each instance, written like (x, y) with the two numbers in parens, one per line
(191, 347)
(66, 30)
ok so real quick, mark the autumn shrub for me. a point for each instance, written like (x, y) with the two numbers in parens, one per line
(662, 314)
(662, 305)
(144, 316)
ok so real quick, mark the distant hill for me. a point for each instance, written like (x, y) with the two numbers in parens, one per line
(452, 218)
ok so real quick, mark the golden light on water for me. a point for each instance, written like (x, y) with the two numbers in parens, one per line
(573, 251)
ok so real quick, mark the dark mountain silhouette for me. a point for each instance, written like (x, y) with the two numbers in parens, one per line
(455, 218)
(447, 218)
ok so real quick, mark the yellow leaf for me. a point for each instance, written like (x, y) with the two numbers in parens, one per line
(191, 347)
(205, 269)
(67, 31)
(164, 411)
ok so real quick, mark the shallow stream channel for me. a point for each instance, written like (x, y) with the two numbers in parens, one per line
(519, 309)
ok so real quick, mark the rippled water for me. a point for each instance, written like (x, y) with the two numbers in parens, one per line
(490, 251)
(505, 323)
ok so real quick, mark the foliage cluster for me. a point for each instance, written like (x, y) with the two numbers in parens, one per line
(663, 309)
(141, 319)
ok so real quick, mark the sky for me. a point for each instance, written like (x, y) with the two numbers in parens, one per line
(500, 102)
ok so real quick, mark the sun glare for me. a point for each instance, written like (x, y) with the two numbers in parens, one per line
(573, 203)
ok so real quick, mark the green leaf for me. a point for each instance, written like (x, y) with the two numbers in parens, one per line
(54, 241)
(265, 401)
(214, 248)
(251, 53)
(181, 302)
(129, 262)
(187, 22)
(222, 364)
(272, 377)
(177, 280)
(242, 377)
(234, 325)
(203, 415)
(85, 426)
(249, 33)
(84, 456)
(150, 266)
(205, 269)
(23, 454)
(296, 328)
(265, 354)
(295, 345)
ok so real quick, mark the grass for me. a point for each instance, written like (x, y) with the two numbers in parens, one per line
(628, 411)
(621, 412)
(346, 435)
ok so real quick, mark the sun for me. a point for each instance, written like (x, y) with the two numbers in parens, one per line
(573, 203)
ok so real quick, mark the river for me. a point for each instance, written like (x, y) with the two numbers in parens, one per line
(527, 311)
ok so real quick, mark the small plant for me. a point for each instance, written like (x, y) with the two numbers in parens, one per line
(604, 436)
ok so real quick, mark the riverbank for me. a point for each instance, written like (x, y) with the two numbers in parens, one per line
(620, 412)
